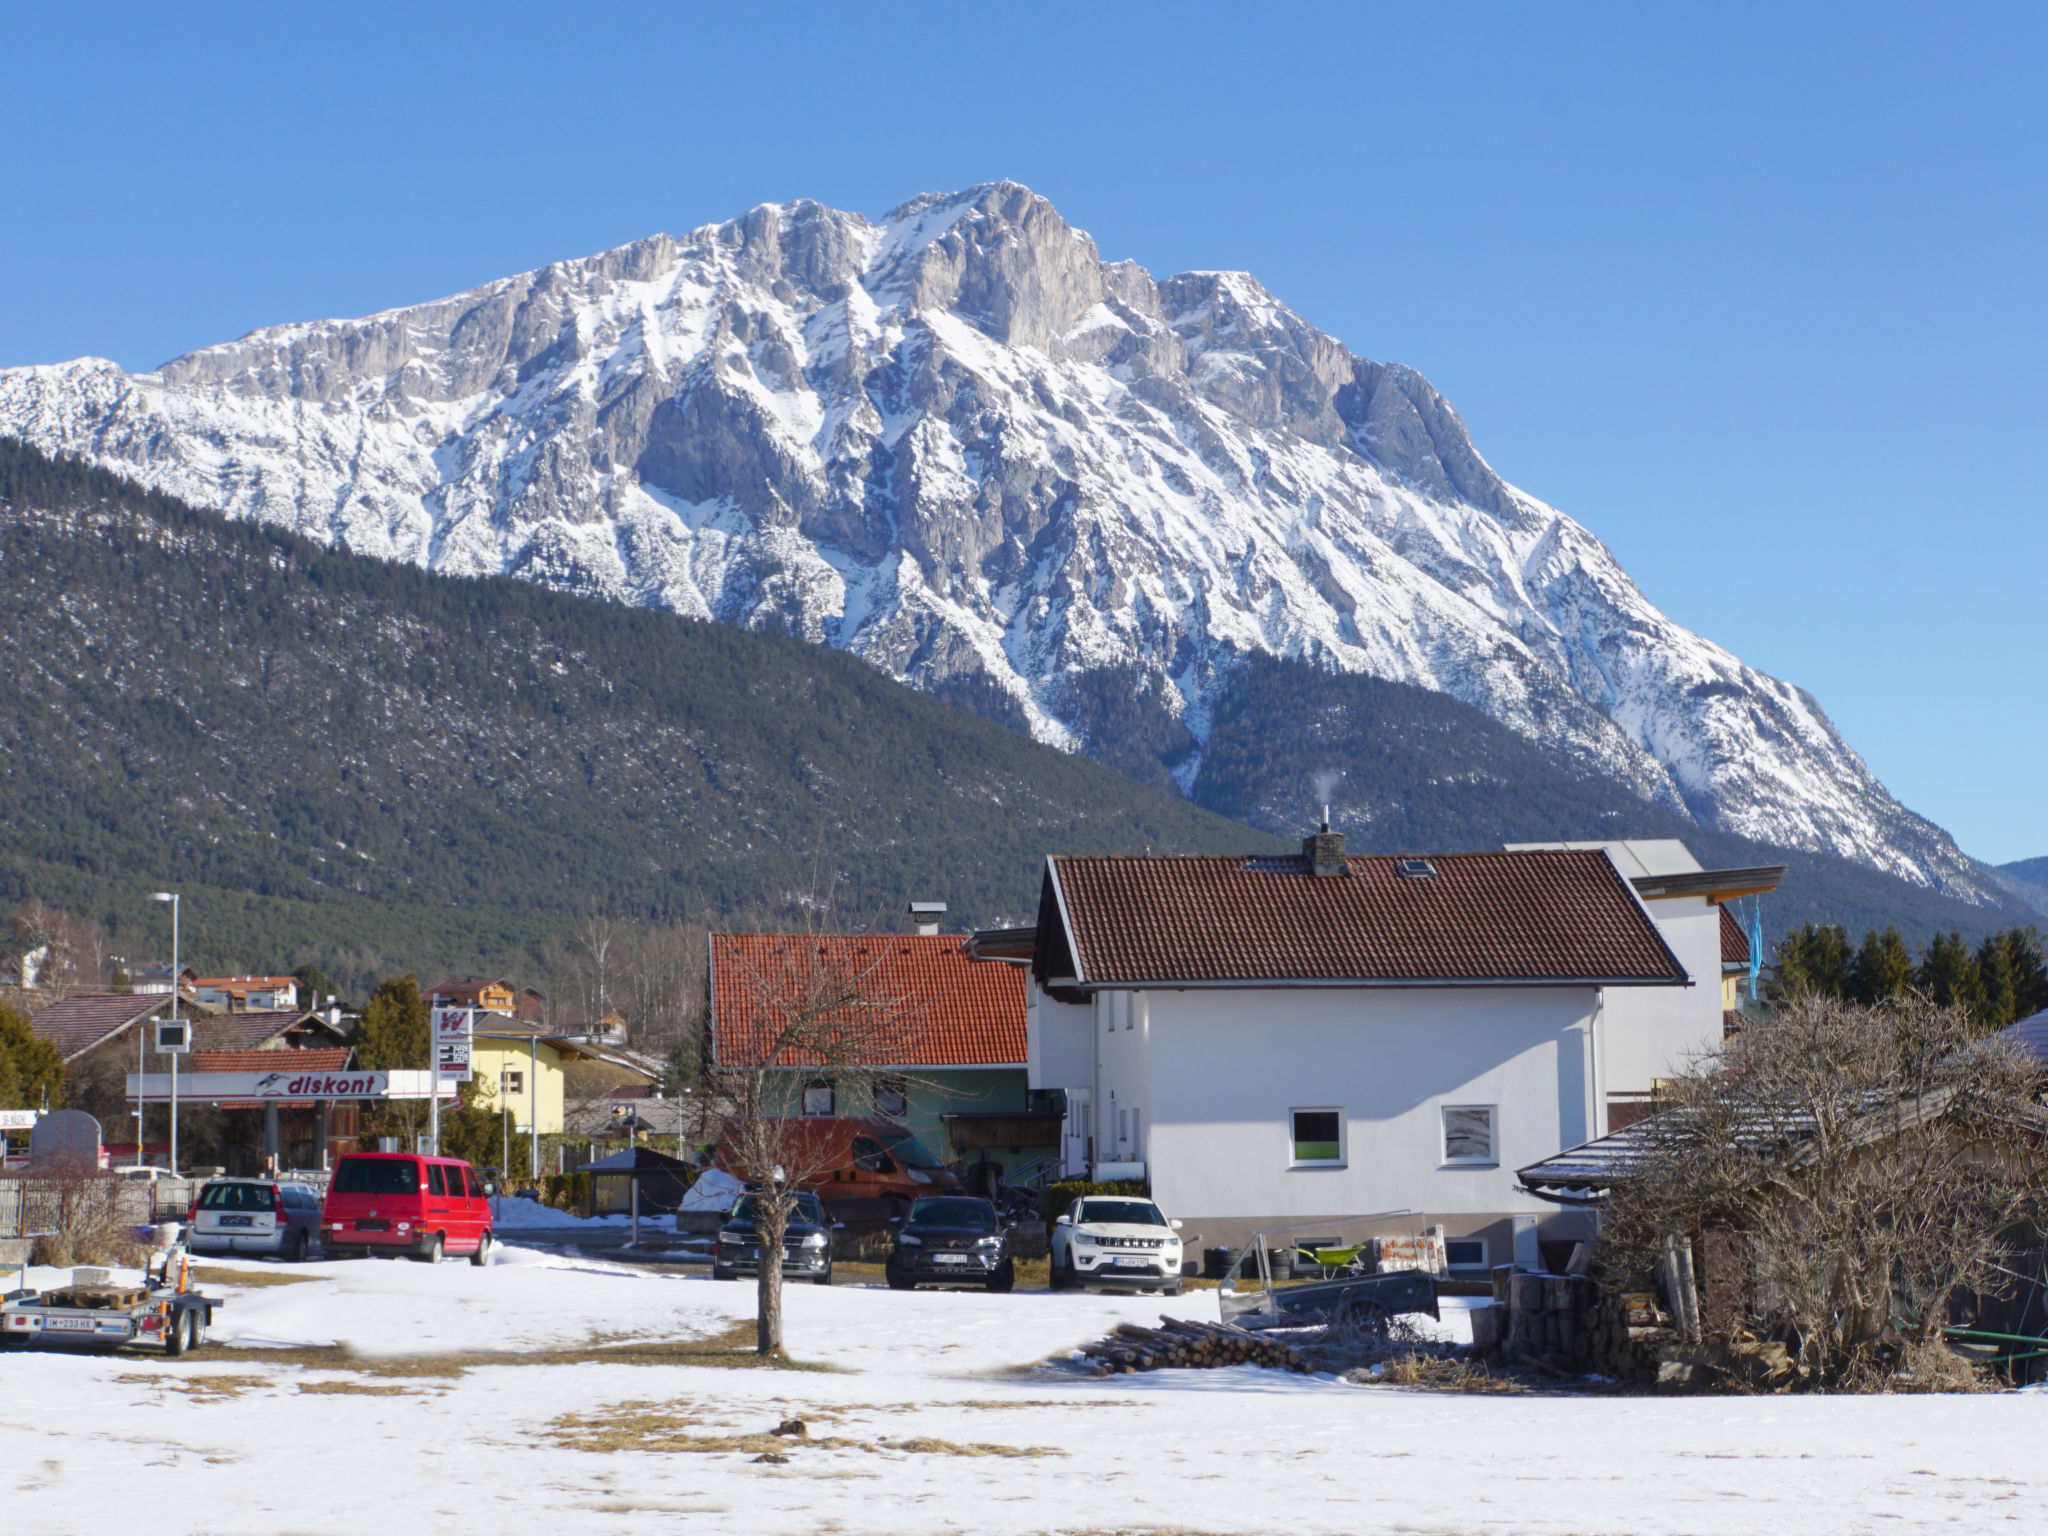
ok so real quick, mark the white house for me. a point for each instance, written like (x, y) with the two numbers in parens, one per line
(1653, 1035)
(1308, 1041)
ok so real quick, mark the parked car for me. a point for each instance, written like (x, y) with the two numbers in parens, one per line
(399, 1203)
(253, 1216)
(951, 1240)
(806, 1242)
(861, 1168)
(1116, 1240)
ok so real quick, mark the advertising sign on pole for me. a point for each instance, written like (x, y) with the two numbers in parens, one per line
(453, 1031)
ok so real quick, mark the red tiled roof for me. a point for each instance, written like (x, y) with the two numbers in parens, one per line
(77, 1024)
(317, 1059)
(922, 1000)
(1550, 916)
(1734, 942)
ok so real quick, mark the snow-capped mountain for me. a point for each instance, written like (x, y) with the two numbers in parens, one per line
(963, 446)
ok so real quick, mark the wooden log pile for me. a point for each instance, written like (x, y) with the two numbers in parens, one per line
(1178, 1343)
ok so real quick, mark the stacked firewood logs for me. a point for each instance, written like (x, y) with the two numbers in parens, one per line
(1185, 1344)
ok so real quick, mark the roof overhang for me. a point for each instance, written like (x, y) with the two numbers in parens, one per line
(1716, 885)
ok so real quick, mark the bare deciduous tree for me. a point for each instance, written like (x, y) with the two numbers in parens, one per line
(1872, 1164)
(798, 1008)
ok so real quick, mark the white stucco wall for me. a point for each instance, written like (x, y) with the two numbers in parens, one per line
(1060, 1038)
(1215, 1075)
(1651, 1032)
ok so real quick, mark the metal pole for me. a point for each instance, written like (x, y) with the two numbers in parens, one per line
(174, 1019)
(434, 1104)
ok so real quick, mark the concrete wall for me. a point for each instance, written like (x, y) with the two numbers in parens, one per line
(1651, 1032)
(1226, 1069)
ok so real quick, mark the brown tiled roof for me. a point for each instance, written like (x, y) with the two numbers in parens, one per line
(77, 1024)
(1734, 942)
(317, 1059)
(924, 1001)
(1551, 916)
(243, 1031)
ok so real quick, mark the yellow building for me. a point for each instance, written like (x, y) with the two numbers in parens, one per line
(524, 1070)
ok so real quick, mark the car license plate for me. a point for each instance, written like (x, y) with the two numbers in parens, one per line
(949, 1258)
(69, 1324)
(238, 1221)
(1128, 1263)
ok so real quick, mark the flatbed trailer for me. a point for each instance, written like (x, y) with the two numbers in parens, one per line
(93, 1312)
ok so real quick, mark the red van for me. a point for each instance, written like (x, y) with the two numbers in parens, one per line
(395, 1202)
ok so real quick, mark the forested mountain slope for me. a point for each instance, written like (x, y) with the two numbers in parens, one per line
(334, 754)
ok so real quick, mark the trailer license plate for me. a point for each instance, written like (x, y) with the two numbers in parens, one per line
(949, 1258)
(69, 1324)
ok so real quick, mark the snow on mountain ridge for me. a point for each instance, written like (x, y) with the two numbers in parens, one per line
(958, 443)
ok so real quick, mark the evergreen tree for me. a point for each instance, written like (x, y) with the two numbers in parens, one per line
(393, 1033)
(314, 985)
(1997, 981)
(1882, 969)
(1811, 961)
(2029, 971)
(1948, 974)
(30, 1069)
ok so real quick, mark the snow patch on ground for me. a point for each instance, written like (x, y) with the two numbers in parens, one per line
(237, 1445)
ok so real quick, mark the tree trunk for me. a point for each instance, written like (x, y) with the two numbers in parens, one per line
(768, 1315)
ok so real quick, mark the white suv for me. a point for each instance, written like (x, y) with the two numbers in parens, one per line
(1117, 1240)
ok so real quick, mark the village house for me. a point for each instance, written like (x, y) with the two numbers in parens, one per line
(487, 994)
(1309, 1040)
(522, 1070)
(955, 1068)
(262, 994)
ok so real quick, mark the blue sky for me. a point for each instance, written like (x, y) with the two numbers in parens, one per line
(1755, 293)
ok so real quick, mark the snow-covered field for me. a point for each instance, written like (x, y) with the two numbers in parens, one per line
(267, 1432)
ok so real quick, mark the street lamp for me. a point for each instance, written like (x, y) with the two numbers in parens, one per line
(172, 898)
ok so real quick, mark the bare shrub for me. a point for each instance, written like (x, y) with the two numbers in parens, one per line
(80, 1211)
(1871, 1164)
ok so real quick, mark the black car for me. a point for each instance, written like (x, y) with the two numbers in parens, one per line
(806, 1242)
(951, 1240)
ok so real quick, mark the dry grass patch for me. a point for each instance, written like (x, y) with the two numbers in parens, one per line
(673, 1427)
(357, 1389)
(1440, 1373)
(732, 1349)
(248, 1279)
(926, 1446)
(200, 1389)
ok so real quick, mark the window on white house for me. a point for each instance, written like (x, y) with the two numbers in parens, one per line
(818, 1098)
(1465, 1253)
(510, 1081)
(891, 1098)
(1317, 1137)
(1468, 1134)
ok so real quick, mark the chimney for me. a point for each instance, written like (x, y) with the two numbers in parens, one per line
(926, 915)
(1325, 850)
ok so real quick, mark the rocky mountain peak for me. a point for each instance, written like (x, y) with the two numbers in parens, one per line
(957, 442)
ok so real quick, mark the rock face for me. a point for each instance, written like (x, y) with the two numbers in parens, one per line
(963, 446)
